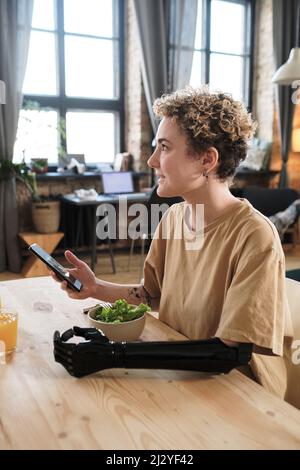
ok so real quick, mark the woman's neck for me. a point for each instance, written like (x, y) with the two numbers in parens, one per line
(216, 198)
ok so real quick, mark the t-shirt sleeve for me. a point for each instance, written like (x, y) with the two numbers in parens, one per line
(254, 310)
(155, 262)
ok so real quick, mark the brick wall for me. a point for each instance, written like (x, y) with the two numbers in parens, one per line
(264, 67)
(138, 131)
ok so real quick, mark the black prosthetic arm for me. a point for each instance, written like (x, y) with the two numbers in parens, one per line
(98, 353)
(210, 355)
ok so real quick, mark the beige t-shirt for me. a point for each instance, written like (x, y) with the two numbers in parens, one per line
(229, 283)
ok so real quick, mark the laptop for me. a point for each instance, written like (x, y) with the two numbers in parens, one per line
(119, 183)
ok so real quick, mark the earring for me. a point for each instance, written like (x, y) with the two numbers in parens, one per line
(205, 175)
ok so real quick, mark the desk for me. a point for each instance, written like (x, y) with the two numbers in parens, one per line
(102, 199)
(42, 407)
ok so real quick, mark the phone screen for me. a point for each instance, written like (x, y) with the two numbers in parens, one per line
(57, 268)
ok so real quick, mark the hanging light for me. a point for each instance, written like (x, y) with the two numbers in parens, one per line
(2, 92)
(290, 71)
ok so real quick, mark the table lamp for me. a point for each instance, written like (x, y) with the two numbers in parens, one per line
(2, 92)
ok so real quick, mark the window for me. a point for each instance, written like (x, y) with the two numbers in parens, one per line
(223, 46)
(73, 86)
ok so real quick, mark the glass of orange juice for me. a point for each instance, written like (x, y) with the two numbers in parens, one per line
(8, 330)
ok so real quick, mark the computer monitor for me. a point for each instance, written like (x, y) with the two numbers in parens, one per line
(117, 182)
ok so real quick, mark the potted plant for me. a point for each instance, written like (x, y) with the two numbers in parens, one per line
(8, 169)
(45, 211)
(39, 165)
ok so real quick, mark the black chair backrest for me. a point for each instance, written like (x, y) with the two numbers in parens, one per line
(269, 201)
(156, 199)
(236, 192)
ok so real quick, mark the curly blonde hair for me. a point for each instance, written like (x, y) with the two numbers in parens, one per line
(210, 119)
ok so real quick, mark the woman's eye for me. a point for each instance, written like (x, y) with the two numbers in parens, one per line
(163, 147)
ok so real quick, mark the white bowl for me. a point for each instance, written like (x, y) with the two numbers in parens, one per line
(126, 331)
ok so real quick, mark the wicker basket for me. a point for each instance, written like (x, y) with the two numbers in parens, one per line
(46, 216)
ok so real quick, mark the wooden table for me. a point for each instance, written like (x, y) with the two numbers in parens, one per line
(42, 407)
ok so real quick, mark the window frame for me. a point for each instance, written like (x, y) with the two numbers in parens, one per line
(63, 103)
(247, 55)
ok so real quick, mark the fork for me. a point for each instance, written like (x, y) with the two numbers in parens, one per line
(101, 303)
(105, 304)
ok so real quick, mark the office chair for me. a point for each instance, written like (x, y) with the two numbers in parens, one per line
(149, 233)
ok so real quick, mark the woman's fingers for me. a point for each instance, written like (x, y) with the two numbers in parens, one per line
(64, 285)
(73, 271)
(72, 259)
(72, 294)
(53, 275)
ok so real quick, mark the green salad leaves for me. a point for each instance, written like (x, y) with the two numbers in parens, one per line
(120, 312)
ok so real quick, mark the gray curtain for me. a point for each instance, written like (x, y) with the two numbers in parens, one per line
(284, 39)
(167, 33)
(183, 22)
(15, 23)
(152, 20)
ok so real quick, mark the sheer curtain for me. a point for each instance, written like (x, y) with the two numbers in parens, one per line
(167, 33)
(183, 22)
(15, 23)
(284, 39)
(152, 20)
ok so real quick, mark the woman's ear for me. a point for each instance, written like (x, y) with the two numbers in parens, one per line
(210, 158)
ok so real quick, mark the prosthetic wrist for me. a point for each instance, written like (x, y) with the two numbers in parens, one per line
(98, 353)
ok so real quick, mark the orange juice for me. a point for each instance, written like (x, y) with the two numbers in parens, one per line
(8, 329)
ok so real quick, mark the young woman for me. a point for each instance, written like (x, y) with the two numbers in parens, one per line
(231, 286)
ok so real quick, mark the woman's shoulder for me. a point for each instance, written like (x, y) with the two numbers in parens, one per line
(256, 229)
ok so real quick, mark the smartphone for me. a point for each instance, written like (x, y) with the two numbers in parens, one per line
(54, 266)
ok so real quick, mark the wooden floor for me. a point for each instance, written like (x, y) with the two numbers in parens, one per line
(123, 276)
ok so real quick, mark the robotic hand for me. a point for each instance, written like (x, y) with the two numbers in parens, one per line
(98, 353)
(84, 358)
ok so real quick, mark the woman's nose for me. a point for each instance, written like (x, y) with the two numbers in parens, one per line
(153, 161)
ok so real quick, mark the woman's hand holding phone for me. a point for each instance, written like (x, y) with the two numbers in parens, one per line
(82, 272)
